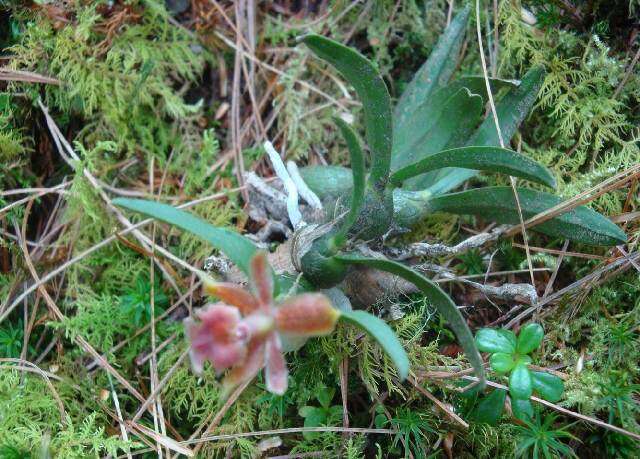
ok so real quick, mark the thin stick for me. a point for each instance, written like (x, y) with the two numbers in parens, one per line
(592, 193)
(59, 316)
(564, 253)
(552, 279)
(218, 418)
(627, 74)
(116, 404)
(499, 131)
(156, 391)
(579, 283)
(438, 403)
(54, 189)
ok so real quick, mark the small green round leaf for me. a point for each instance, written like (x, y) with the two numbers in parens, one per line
(501, 362)
(548, 386)
(520, 385)
(489, 409)
(522, 408)
(529, 338)
(523, 359)
(491, 340)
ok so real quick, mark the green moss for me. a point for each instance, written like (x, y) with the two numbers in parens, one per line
(31, 421)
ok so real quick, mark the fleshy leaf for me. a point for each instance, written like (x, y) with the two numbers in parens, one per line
(436, 297)
(502, 362)
(529, 338)
(512, 109)
(358, 171)
(449, 128)
(328, 182)
(436, 71)
(492, 340)
(548, 386)
(498, 203)
(508, 334)
(373, 93)
(520, 385)
(416, 129)
(522, 408)
(385, 337)
(524, 359)
(238, 248)
(489, 409)
(493, 159)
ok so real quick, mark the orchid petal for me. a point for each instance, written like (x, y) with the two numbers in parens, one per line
(309, 314)
(219, 337)
(276, 372)
(261, 279)
(232, 294)
(197, 358)
(251, 366)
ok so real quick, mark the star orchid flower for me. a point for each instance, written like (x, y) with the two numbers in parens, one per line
(243, 331)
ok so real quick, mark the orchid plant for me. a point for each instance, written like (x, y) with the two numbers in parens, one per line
(432, 142)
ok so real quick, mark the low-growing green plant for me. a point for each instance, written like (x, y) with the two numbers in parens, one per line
(510, 357)
(412, 428)
(137, 301)
(419, 151)
(324, 415)
(618, 398)
(540, 439)
(11, 339)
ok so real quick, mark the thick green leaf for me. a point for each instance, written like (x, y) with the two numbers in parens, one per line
(523, 359)
(502, 362)
(373, 93)
(385, 337)
(511, 110)
(508, 334)
(548, 386)
(447, 128)
(238, 248)
(330, 183)
(498, 203)
(522, 408)
(529, 338)
(520, 384)
(492, 340)
(436, 71)
(489, 409)
(495, 203)
(456, 114)
(358, 172)
(494, 159)
(436, 297)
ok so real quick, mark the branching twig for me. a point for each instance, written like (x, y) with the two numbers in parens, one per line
(422, 249)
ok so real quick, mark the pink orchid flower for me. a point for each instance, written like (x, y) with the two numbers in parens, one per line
(243, 331)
